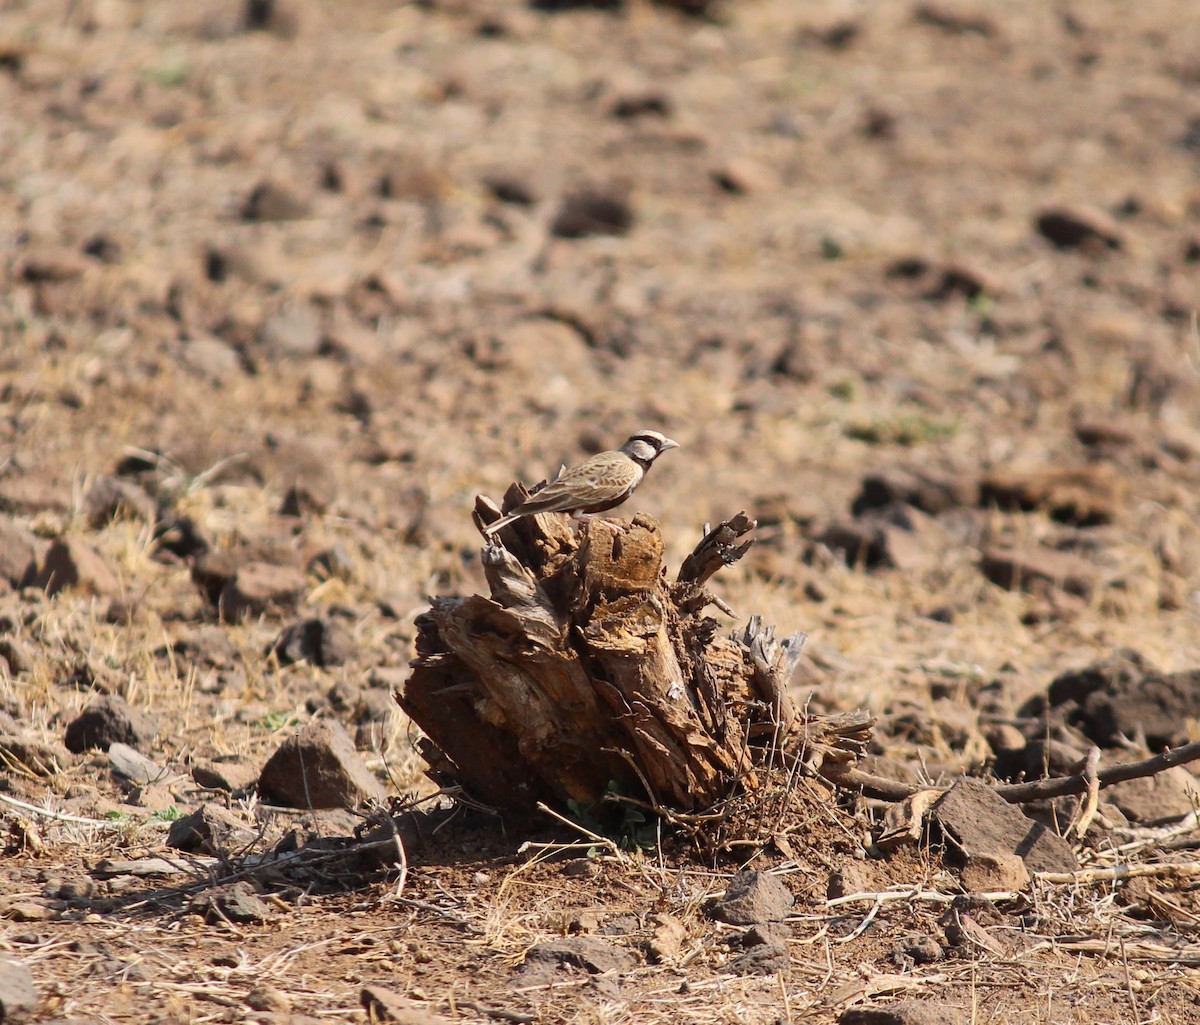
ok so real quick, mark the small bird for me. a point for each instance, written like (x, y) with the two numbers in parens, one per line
(599, 483)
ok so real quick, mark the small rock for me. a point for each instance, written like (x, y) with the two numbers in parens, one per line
(132, 765)
(51, 266)
(979, 821)
(1040, 571)
(1156, 799)
(212, 358)
(593, 212)
(319, 641)
(649, 102)
(231, 902)
(767, 934)
(760, 960)
(904, 1012)
(853, 877)
(210, 829)
(510, 188)
(17, 994)
(993, 873)
(743, 176)
(753, 897)
(317, 767)
(264, 997)
(258, 588)
(72, 562)
(232, 775)
(294, 331)
(1086, 496)
(107, 721)
(274, 201)
(667, 939)
(111, 498)
(385, 1005)
(1073, 227)
(593, 955)
(412, 176)
(20, 551)
(919, 949)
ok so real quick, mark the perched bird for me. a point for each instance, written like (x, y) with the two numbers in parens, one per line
(599, 483)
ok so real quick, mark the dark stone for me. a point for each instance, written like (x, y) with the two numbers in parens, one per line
(107, 721)
(317, 767)
(586, 952)
(593, 212)
(318, 641)
(754, 897)
(979, 821)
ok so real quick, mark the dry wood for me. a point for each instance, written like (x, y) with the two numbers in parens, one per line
(884, 789)
(586, 671)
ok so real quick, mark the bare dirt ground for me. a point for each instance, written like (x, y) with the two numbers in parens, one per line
(287, 284)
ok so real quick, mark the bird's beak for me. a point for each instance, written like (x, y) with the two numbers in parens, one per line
(668, 443)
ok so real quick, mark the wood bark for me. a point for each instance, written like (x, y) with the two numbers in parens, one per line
(586, 669)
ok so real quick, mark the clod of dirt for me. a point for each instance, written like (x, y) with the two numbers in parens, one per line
(1085, 496)
(1071, 227)
(928, 490)
(593, 212)
(1041, 571)
(258, 588)
(903, 1012)
(753, 897)
(17, 994)
(319, 641)
(72, 562)
(210, 829)
(386, 1005)
(593, 955)
(232, 902)
(979, 821)
(20, 551)
(317, 767)
(111, 498)
(109, 720)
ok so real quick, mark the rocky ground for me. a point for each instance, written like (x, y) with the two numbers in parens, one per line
(284, 285)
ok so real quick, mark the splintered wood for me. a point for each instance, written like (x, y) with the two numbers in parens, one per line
(587, 670)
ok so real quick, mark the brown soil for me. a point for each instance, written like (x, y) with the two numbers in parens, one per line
(308, 277)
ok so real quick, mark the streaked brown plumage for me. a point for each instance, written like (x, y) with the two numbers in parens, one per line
(599, 483)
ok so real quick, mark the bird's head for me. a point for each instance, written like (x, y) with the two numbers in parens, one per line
(646, 446)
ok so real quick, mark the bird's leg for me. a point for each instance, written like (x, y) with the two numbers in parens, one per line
(584, 517)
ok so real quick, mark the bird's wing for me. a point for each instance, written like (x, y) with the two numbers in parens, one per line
(602, 478)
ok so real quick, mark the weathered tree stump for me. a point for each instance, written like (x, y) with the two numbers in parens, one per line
(587, 669)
